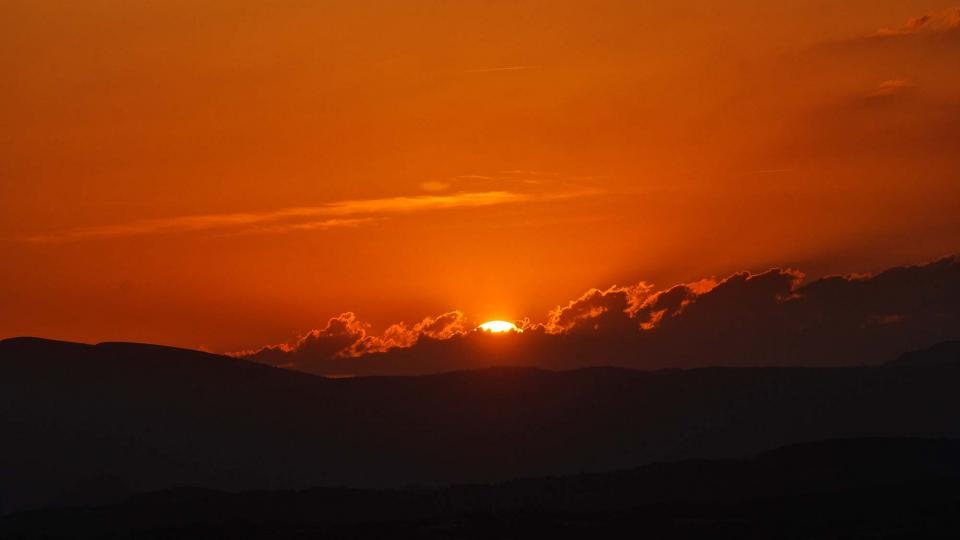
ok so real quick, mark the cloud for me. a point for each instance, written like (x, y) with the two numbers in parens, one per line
(597, 311)
(891, 88)
(922, 51)
(311, 225)
(443, 326)
(326, 216)
(511, 179)
(771, 318)
(345, 336)
(942, 21)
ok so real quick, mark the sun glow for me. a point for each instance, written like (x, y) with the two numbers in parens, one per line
(498, 327)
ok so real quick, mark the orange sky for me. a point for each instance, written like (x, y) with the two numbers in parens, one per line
(232, 173)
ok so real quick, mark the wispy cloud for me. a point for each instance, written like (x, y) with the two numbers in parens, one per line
(310, 225)
(890, 88)
(349, 213)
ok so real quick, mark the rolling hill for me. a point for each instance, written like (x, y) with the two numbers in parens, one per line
(95, 423)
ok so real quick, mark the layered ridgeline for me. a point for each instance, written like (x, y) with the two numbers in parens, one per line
(852, 488)
(88, 424)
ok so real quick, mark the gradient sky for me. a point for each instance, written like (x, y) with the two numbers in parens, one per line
(229, 174)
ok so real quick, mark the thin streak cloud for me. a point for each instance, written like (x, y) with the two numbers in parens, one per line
(335, 214)
(310, 225)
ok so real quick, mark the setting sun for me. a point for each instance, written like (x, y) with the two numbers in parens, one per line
(498, 327)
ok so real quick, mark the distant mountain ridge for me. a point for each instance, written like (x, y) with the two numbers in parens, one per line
(899, 486)
(151, 418)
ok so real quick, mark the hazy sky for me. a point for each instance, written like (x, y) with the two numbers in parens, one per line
(233, 173)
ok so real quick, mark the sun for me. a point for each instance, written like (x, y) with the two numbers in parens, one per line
(498, 327)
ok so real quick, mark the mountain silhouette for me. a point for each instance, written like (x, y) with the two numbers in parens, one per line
(877, 488)
(147, 418)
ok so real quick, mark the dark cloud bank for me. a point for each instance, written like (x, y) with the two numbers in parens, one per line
(767, 319)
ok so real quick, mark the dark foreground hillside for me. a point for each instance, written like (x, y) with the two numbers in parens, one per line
(864, 488)
(87, 424)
